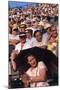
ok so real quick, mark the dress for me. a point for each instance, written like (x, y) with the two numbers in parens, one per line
(35, 73)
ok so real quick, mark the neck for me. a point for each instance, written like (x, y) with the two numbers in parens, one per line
(34, 66)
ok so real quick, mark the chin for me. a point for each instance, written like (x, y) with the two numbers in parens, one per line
(34, 65)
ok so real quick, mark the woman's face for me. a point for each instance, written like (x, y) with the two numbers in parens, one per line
(14, 32)
(35, 24)
(54, 32)
(38, 36)
(28, 35)
(23, 39)
(32, 61)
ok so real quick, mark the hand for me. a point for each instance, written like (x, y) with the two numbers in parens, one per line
(13, 55)
(25, 79)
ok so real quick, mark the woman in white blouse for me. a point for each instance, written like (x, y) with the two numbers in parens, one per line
(37, 72)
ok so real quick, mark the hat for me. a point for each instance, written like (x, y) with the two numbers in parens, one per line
(41, 23)
(14, 26)
(47, 25)
(22, 34)
(24, 22)
(22, 25)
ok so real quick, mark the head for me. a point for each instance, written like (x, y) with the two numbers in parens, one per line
(29, 33)
(28, 23)
(14, 31)
(22, 27)
(22, 37)
(35, 23)
(54, 31)
(31, 60)
(49, 31)
(38, 35)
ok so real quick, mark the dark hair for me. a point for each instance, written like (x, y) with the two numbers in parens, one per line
(30, 31)
(16, 29)
(30, 54)
(36, 32)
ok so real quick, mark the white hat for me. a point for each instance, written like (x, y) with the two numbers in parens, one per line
(14, 26)
(47, 25)
(41, 23)
(24, 22)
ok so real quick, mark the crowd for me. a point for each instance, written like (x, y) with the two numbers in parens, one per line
(34, 26)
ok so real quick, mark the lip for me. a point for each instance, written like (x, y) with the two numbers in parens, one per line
(33, 63)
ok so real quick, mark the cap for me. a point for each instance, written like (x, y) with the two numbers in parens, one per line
(22, 34)
(22, 25)
(41, 23)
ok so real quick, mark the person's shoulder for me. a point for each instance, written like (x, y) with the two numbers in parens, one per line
(28, 45)
(28, 71)
(10, 35)
(18, 44)
(33, 39)
(41, 64)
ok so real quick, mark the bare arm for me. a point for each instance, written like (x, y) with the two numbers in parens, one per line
(13, 56)
(13, 65)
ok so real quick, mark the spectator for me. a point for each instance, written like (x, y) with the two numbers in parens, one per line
(29, 37)
(13, 38)
(53, 41)
(39, 41)
(37, 72)
(20, 46)
(22, 28)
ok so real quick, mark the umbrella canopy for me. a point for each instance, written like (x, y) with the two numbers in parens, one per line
(45, 55)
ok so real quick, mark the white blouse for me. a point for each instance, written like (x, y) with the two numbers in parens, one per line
(35, 73)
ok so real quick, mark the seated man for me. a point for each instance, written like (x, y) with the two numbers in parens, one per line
(20, 46)
(39, 42)
(13, 38)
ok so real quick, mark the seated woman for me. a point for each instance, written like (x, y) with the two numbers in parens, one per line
(36, 73)
(53, 41)
(13, 37)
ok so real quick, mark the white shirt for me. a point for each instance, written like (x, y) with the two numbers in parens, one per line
(33, 29)
(45, 38)
(35, 72)
(38, 44)
(30, 41)
(13, 37)
(26, 46)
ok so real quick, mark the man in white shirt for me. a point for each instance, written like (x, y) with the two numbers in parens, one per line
(20, 46)
(39, 42)
(29, 37)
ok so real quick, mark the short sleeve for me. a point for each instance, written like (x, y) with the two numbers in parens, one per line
(42, 65)
(28, 72)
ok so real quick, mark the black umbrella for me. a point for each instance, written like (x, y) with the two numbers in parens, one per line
(45, 55)
(50, 60)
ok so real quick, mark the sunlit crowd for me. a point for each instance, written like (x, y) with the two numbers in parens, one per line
(33, 26)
